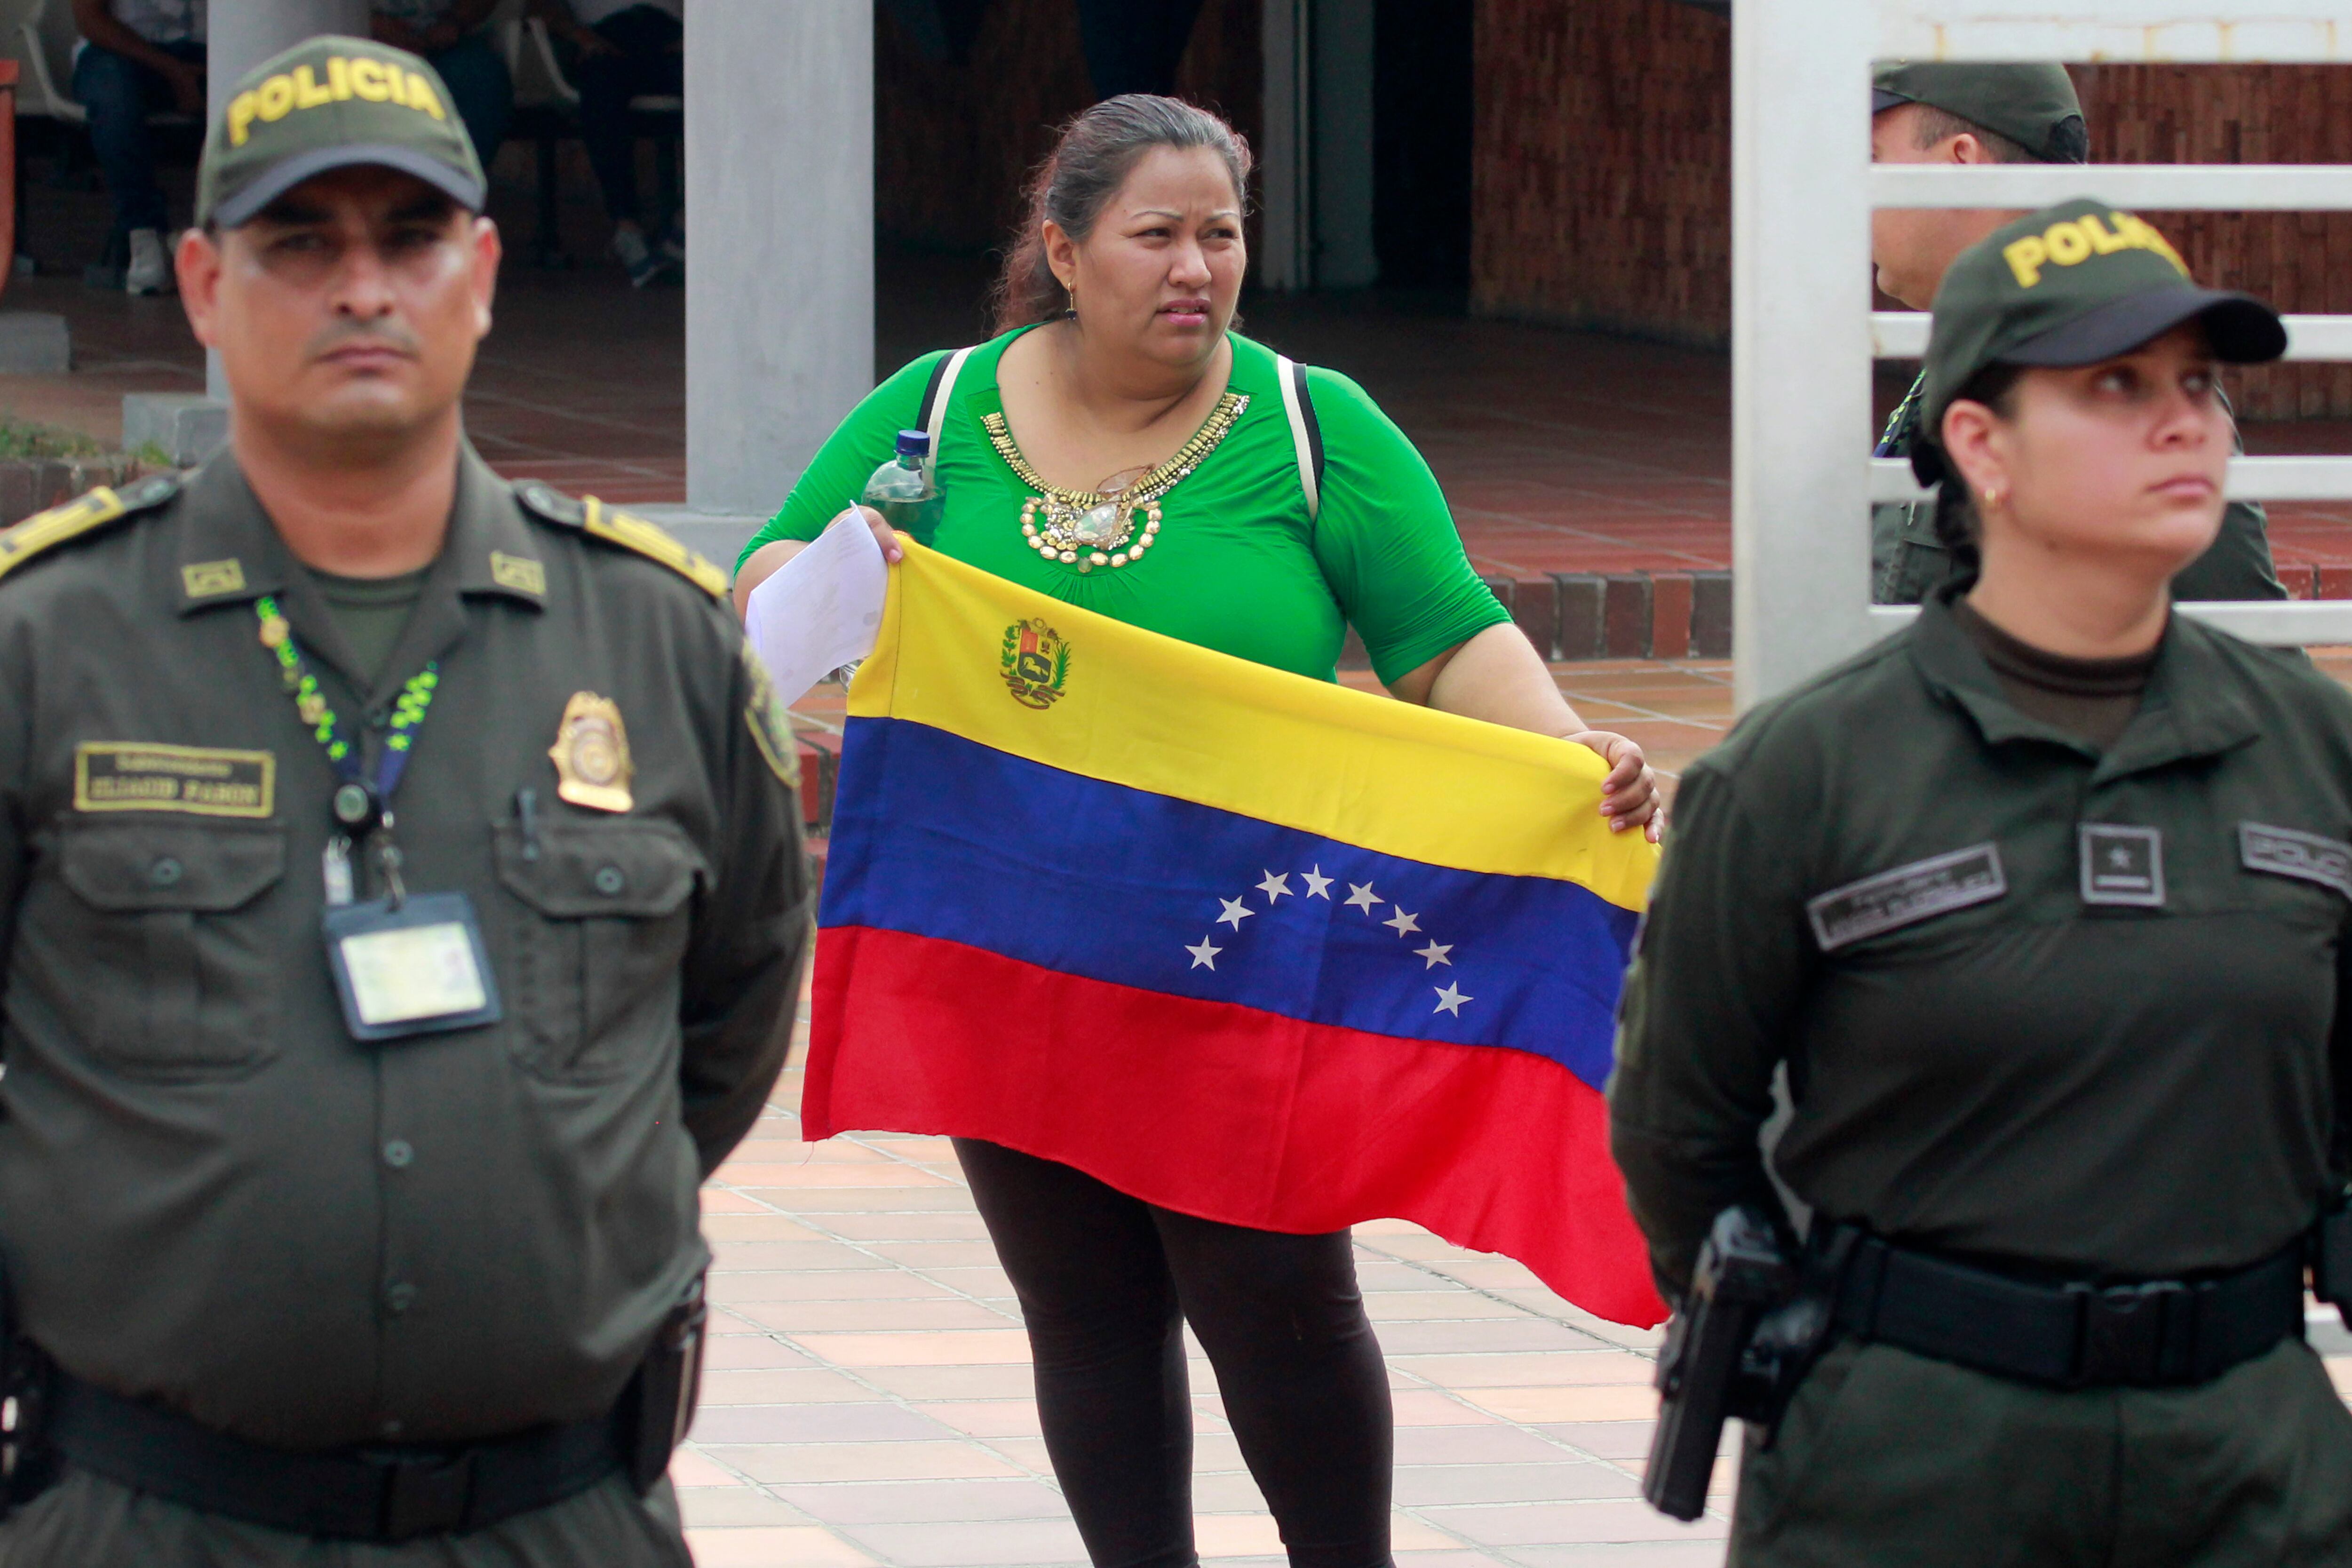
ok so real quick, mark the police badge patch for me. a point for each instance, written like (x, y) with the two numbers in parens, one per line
(1036, 662)
(591, 755)
(771, 730)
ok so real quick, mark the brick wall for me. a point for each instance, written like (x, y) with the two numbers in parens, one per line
(2244, 114)
(1601, 176)
(953, 142)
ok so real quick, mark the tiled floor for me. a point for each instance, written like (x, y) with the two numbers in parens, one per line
(869, 1403)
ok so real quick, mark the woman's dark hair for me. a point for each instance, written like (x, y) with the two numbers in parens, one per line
(1959, 526)
(1091, 159)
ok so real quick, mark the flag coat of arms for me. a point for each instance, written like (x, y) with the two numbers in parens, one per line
(1243, 944)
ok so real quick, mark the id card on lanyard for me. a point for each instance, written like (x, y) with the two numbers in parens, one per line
(404, 964)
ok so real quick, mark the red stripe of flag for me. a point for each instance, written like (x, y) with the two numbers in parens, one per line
(1225, 1111)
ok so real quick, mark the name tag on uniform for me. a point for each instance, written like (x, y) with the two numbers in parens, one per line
(2283, 852)
(2122, 866)
(420, 969)
(1906, 895)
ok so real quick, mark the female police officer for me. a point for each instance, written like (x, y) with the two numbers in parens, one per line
(2042, 903)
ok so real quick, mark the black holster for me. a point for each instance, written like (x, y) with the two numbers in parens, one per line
(657, 1408)
(1739, 1345)
(26, 1463)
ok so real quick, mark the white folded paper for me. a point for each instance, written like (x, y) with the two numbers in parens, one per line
(822, 610)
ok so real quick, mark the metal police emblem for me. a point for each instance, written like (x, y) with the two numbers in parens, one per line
(1906, 895)
(2122, 866)
(2306, 856)
(591, 755)
(1035, 662)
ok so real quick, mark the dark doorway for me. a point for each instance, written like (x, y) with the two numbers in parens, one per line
(1421, 144)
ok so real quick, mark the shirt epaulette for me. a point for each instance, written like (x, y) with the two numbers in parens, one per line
(84, 514)
(592, 517)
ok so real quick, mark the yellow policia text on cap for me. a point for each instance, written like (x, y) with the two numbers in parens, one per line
(348, 77)
(2072, 241)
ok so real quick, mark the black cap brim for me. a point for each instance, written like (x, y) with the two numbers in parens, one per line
(1881, 101)
(2240, 329)
(237, 210)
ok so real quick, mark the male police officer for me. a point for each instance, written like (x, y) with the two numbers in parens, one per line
(1968, 113)
(406, 906)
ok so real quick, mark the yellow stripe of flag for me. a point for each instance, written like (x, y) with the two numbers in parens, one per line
(1148, 712)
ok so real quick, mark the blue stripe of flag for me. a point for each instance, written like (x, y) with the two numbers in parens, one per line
(939, 836)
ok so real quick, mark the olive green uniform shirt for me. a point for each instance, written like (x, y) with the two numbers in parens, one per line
(1990, 1064)
(1908, 563)
(211, 1195)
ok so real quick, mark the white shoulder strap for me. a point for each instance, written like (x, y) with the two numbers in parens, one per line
(1301, 442)
(946, 389)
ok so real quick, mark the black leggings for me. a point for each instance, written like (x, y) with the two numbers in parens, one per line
(1108, 1282)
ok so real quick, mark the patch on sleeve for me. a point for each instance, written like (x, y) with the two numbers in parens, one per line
(771, 729)
(2306, 856)
(197, 781)
(1906, 895)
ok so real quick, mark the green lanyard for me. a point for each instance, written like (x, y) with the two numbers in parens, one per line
(361, 802)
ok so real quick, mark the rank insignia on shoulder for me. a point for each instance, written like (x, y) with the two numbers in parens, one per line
(2122, 866)
(83, 515)
(635, 534)
(1906, 895)
(771, 730)
(591, 755)
(2306, 856)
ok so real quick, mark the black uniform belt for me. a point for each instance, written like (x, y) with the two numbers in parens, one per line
(394, 1493)
(2160, 1333)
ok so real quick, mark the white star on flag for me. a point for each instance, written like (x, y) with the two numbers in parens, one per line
(1436, 952)
(1450, 1000)
(1235, 913)
(1204, 956)
(1362, 897)
(1318, 886)
(1404, 924)
(1274, 887)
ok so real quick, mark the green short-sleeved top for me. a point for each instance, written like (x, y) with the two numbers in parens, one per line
(1237, 565)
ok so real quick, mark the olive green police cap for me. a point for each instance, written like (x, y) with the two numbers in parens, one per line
(2071, 285)
(2032, 104)
(329, 103)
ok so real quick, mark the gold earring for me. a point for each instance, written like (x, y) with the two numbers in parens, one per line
(1992, 497)
(1074, 299)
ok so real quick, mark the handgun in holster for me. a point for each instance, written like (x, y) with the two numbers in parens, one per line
(1743, 1339)
(2331, 1256)
(658, 1406)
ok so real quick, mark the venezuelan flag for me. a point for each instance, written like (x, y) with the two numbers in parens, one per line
(1243, 944)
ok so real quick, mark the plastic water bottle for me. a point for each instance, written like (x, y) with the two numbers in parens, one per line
(903, 491)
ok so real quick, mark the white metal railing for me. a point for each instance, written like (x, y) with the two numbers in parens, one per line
(1903, 334)
(2295, 624)
(1802, 333)
(2149, 187)
(2251, 478)
(2277, 32)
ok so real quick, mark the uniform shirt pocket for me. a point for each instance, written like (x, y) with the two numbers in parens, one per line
(602, 914)
(151, 955)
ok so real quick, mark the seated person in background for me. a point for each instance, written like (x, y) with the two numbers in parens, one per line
(448, 34)
(616, 50)
(139, 56)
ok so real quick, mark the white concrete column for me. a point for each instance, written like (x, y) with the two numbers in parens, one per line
(240, 34)
(780, 225)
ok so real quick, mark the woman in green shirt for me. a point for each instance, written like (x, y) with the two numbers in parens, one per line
(1118, 448)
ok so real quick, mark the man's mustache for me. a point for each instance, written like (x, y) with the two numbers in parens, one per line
(385, 334)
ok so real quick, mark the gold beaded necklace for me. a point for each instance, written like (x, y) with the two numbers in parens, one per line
(1087, 529)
